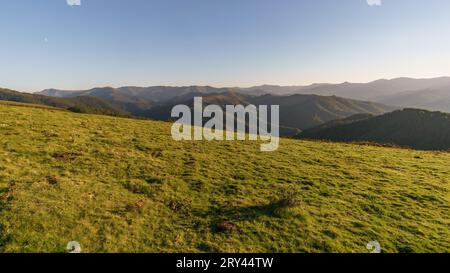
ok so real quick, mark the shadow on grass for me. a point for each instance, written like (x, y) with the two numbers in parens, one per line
(244, 213)
(229, 216)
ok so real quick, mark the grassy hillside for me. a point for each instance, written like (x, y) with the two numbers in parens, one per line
(117, 184)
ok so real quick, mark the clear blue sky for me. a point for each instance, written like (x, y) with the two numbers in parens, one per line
(48, 43)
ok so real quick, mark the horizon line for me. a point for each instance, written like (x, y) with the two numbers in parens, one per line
(230, 87)
(246, 87)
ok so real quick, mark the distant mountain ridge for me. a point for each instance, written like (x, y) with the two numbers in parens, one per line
(367, 91)
(431, 94)
(152, 94)
(413, 128)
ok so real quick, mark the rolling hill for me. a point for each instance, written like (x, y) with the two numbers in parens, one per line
(80, 104)
(123, 185)
(335, 123)
(296, 111)
(413, 128)
(307, 111)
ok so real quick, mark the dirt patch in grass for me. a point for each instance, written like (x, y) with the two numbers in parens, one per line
(227, 227)
(65, 156)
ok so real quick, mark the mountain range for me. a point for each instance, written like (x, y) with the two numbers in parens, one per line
(347, 112)
(429, 94)
(297, 112)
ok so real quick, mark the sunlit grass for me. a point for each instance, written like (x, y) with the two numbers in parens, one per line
(118, 185)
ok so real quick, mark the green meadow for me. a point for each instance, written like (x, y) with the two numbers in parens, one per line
(123, 185)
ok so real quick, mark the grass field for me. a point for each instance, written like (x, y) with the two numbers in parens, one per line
(123, 185)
